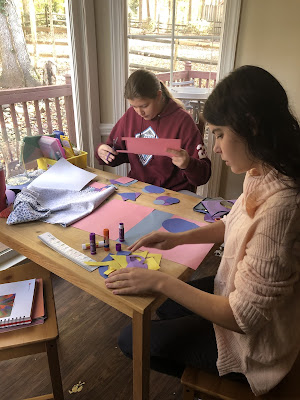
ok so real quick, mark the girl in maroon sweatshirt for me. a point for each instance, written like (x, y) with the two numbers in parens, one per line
(154, 113)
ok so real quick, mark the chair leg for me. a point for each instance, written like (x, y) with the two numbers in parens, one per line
(54, 368)
(188, 393)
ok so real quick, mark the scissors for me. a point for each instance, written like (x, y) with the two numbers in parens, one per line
(113, 147)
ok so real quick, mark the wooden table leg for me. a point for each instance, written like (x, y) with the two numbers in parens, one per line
(141, 354)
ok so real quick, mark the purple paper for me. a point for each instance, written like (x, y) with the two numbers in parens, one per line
(133, 261)
(216, 208)
(153, 189)
(129, 196)
(159, 202)
(176, 225)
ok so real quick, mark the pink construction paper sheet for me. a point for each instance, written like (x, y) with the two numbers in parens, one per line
(190, 255)
(110, 214)
(155, 147)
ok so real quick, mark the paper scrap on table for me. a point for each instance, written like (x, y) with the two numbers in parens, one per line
(153, 189)
(124, 179)
(130, 196)
(166, 200)
(63, 175)
(99, 186)
(155, 147)
(117, 182)
(176, 225)
(113, 262)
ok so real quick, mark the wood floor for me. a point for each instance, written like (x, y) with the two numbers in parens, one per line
(88, 352)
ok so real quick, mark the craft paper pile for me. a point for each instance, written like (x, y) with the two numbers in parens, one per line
(126, 259)
(56, 196)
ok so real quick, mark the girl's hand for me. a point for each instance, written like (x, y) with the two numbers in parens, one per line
(106, 153)
(134, 281)
(180, 158)
(158, 240)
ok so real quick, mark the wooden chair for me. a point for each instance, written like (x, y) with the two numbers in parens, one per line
(35, 339)
(213, 387)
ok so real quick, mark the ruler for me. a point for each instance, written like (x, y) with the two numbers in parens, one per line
(67, 251)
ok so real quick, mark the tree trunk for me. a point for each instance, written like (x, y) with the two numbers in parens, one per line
(170, 12)
(12, 75)
(140, 10)
(26, 12)
(148, 10)
(190, 11)
(15, 57)
(33, 31)
(52, 29)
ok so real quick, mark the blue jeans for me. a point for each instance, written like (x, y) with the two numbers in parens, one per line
(180, 338)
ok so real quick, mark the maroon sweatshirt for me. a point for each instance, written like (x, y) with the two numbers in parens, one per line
(172, 123)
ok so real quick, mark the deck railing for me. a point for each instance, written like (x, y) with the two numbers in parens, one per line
(35, 111)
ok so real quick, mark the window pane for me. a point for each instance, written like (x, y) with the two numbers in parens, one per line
(186, 47)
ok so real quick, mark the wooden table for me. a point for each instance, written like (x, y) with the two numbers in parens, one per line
(24, 239)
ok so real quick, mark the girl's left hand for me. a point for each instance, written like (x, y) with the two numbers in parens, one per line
(180, 158)
(134, 281)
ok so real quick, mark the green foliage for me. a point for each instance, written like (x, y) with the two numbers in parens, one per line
(2, 6)
(57, 6)
(133, 5)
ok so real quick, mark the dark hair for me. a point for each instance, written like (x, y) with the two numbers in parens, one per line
(144, 84)
(255, 106)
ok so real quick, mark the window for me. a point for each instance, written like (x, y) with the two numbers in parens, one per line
(188, 44)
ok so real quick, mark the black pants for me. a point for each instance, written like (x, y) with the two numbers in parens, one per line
(180, 338)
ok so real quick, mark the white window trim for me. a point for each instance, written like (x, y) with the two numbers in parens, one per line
(82, 34)
(228, 50)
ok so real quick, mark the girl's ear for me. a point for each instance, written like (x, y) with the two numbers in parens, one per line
(159, 94)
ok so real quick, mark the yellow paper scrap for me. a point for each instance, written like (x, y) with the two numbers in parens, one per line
(109, 270)
(157, 257)
(77, 388)
(140, 253)
(121, 260)
(152, 264)
(112, 264)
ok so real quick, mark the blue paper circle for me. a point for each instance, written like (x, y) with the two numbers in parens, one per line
(153, 189)
(176, 225)
(161, 202)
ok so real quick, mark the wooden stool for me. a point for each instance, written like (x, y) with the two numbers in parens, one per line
(212, 387)
(34, 339)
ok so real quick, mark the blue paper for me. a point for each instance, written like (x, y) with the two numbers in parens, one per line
(176, 225)
(152, 222)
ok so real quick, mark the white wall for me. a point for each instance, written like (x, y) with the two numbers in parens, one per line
(268, 37)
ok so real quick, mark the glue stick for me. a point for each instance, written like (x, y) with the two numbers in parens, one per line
(92, 243)
(121, 232)
(106, 239)
(99, 243)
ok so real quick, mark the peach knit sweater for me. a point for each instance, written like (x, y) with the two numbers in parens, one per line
(259, 273)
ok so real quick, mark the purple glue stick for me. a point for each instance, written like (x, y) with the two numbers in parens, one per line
(121, 232)
(92, 243)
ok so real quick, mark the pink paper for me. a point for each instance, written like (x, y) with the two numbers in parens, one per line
(124, 179)
(110, 214)
(98, 185)
(190, 255)
(157, 147)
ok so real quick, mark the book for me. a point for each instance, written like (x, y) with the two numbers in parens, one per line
(16, 302)
(38, 310)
